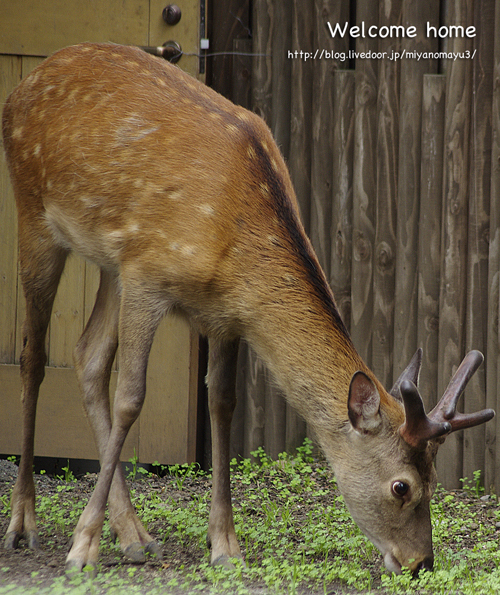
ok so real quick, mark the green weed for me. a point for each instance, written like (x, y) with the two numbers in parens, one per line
(295, 531)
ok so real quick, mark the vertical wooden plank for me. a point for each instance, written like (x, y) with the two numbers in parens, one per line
(10, 75)
(387, 187)
(321, 170)
(364, 186)
(242, 72)
(341, 225)
(301, 106)
(493, 347)
(416, 14)
(168, 419)
(281, 77)
(479, 221)
(454, 233)
(68, 314)
(262, 72)
(429, 240)
(300, 150)
(229, 21)
(252, 379)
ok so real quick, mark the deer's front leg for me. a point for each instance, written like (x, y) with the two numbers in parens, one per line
(136, 331)
(221, 380)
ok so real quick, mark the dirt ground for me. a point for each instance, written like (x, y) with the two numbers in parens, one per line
(31, 568)
(28, 567)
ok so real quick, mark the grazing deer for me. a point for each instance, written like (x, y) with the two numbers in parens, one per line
(184, 202)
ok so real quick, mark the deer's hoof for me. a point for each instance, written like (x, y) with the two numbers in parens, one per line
(154, 550)
(13, 538)
(136, 552)
(33, 541)
(227, 561)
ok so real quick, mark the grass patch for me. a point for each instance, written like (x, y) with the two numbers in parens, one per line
(294, 529)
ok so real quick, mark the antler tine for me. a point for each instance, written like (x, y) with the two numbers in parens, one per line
(445, 410)
(418, 428)
(411, 373)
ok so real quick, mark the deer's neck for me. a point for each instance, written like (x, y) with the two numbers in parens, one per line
(295, 328)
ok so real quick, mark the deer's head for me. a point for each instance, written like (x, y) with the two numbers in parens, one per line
(390, 478)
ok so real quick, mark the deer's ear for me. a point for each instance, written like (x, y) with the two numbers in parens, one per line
(363, 404)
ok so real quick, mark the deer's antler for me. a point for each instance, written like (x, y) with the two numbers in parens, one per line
(419, 428)
(411, 373)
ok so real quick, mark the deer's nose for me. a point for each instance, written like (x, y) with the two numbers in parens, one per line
(425, 564)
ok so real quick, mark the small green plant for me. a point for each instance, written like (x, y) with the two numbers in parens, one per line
(68, 475)
(473, 486)
(136, 468)
(294, 529)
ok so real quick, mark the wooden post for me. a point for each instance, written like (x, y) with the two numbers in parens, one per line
(387, 175)
(493, 348)
(479, 221)
(301, 106)
(364, 186)
(454, 238)
(429, 240)
(341, 225)
(321, 171)
(415, 14)
(262, 81)
(300, 150)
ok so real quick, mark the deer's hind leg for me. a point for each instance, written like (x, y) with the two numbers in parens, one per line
(94, 356)
(221, 380)
(41, 270)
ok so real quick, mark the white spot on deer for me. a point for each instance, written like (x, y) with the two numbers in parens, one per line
(73, 93)
(251, 152)
(264, 188)
(243, 115)
(175, 195)
(133, 228)
(17, 133)
(188, 250)
(232, 128)
(134, 128)
(37, 150)
(206, 209)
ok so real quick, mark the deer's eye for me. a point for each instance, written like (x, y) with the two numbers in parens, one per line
(400, 489)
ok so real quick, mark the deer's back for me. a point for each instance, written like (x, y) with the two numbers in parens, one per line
(129, 160)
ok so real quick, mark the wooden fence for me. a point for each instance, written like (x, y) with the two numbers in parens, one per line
(396, 164)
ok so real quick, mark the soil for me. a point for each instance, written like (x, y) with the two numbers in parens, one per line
(30, 568)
